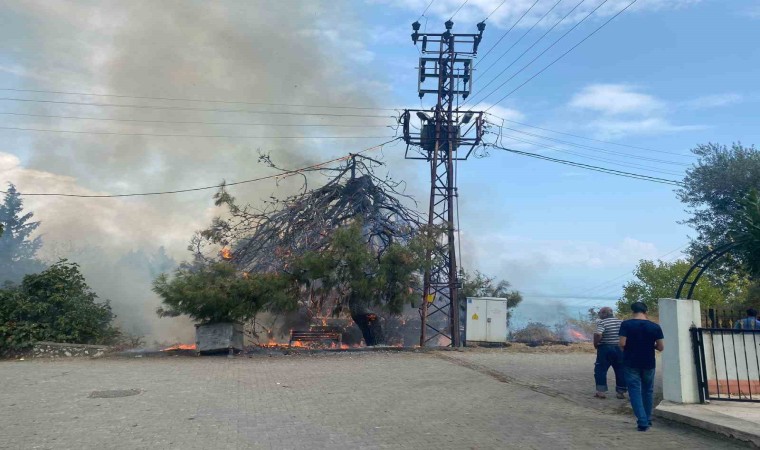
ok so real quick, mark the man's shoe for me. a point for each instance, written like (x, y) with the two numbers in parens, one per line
(620, 395)
(600, 395)
(640, 428)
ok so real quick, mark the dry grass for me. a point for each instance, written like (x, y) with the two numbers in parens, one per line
(515, 347)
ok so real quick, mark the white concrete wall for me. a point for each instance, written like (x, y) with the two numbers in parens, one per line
(679, 374)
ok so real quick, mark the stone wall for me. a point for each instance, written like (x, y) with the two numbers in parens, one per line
(61, 350)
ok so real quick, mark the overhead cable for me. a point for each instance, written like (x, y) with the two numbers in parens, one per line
(495, 9)
(591, 167)
(225, 136)
(560, 56)
(458, 9)
(283, 174)
(481, 58)
(197, 100)
(594, 158)
(546, 14)
(604, 288)
(195, 122)
(426, 9)
(545, 50)
(597, 149)
(187, 108)
(562, 19)
(590, 139)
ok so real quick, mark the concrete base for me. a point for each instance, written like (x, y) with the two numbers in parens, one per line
(737, 420)
(214, 337)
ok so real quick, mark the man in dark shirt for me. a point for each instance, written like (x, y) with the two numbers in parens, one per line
(639, 337)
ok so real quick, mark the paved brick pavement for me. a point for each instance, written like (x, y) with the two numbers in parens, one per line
(336, 401)
(565, 375)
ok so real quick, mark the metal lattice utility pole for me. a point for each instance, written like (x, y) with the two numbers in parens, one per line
(438, 141)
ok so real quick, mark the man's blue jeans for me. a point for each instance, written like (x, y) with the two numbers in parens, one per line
(641, 393)
(609, 356)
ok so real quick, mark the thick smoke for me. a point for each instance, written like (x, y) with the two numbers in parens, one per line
(258, 51)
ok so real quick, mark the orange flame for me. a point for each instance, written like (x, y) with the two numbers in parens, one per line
(576, 334)
(226, 254)
(180, 347)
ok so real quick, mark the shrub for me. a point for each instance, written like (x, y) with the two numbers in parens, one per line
(54, 305)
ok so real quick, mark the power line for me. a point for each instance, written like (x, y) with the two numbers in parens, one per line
(426, 9)
(230, 102)
(216, 186)
(458, 9)
(597, 149)
(620, 173)
(562, 19)
(594, 158)
(195, 122)
(605, 286)
(506, 33)
(560, 56)
(494, 10)
(226, 136)
(186, 108)
(531, 46)
(545, 50)
(591, 139)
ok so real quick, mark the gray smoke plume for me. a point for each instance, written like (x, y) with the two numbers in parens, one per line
(292, 52)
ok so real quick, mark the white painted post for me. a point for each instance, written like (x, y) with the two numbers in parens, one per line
(679, 374)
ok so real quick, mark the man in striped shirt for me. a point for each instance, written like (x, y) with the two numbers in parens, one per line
(608, 353)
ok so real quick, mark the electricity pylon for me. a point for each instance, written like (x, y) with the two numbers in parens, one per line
(442, 136)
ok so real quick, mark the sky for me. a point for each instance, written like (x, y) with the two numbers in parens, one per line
(657, 80)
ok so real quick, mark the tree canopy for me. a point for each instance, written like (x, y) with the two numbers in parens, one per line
(54, 305)
(714, 189)
(220, 293)
(746, 230)
(17, 248)
(476, 284)
(660, 279)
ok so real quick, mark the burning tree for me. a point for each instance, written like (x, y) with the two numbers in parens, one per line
(219, 293)
(352, 278)
(351, 245)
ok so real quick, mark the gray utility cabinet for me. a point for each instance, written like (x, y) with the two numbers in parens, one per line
(212, 337)
(486, 319)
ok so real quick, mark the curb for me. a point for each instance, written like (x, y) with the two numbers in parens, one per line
(712, 421)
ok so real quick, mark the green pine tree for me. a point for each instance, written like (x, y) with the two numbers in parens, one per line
(18, 249)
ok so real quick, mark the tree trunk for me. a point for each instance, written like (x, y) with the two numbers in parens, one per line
(372, 330)
(367, 321)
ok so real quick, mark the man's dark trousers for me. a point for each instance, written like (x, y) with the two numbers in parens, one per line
(607, 356)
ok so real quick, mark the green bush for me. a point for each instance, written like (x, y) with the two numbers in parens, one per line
(54, 305)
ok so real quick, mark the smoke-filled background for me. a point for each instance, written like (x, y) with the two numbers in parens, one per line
(550, 231)
(259, 51)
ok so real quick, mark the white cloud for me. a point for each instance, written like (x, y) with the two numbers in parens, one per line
(614, 110)
(614, 99)
(501, 112)
(714, 101)
(606, 128)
